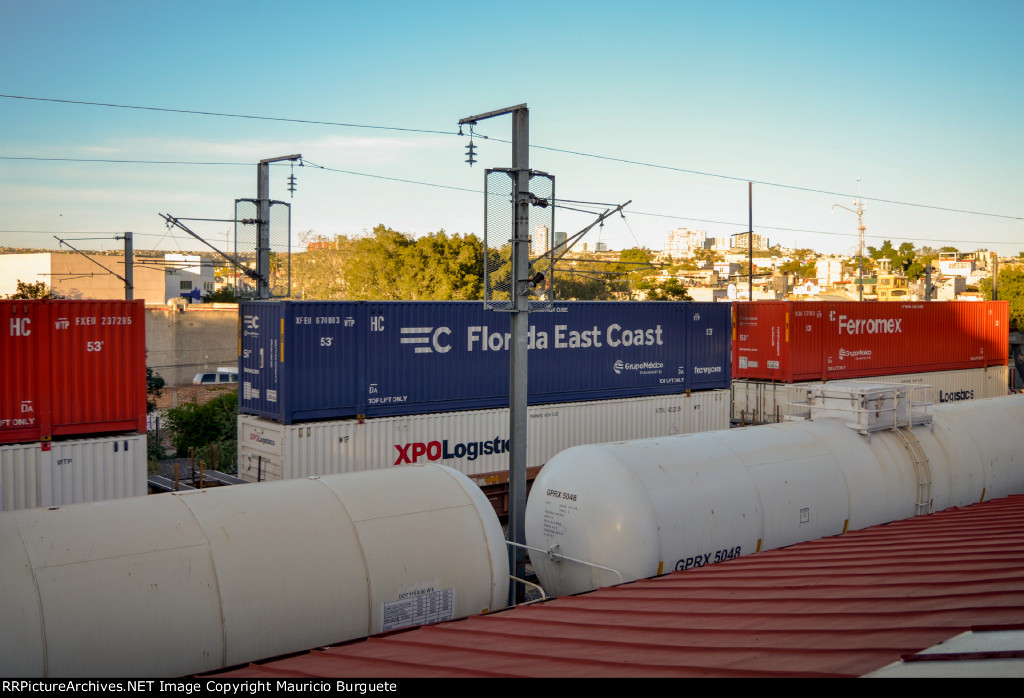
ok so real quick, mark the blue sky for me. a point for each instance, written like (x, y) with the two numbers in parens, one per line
(921, 100)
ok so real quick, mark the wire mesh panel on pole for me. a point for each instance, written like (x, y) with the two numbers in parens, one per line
(499, 224)
(247, 245)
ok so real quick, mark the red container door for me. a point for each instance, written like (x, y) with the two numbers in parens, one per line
(997, 329)
(24, 380)
(777, 340)
(98, 366)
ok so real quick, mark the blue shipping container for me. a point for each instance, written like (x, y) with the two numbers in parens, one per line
(306, 360)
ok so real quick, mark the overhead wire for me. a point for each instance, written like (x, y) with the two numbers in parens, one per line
(567, 151)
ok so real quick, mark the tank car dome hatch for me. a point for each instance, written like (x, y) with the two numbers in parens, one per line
(648, 507)
(176, 584)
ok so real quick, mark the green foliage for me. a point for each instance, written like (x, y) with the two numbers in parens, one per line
(802, 264)
(154, 387)
(154, 451)
(39, 289)
(388, 265)
(199, 426)
(671, 290)
(225, 294)
(1011, 288)
(640, 255)
(901, 259)
(580, 288)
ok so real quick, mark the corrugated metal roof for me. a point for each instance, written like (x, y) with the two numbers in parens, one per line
(841, 606)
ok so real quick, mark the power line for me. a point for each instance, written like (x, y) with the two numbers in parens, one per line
(566, 151)
(124, 162)
(307, 163)
(228, 115)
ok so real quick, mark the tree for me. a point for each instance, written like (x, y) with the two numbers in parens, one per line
(389, 265)
(200, 427)
(1011, 288)
(39, 289)
(154, 387)
(577, 287)
(225, 294)
(671, 290)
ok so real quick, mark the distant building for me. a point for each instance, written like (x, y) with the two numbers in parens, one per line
(683, 242)
(828, 271)
(539, 242)
(156, 278)
(742, 241)
(956, 264)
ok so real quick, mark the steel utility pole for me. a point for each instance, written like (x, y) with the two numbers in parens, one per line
(263, 223)
(129, 269)
(520, 328)
(860, 227)
(750, 241)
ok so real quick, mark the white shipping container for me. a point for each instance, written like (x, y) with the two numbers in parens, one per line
(473, 442)
(56, 473)
(760, 402)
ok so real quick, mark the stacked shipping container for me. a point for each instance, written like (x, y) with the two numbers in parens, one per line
(959, 348)
(75, 368)
(317, 361)
(801, 341)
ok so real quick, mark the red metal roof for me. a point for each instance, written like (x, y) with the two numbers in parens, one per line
(841, 606)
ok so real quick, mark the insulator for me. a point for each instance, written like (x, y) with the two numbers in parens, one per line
(470, 152)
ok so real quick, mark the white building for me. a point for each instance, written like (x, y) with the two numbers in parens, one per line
(683, 242)
(955, 264)
(829, 271)
(188, 276)
(156, 279)
(539, 242)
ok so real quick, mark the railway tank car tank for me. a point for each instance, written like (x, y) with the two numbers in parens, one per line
(638, 509)
(177, 584)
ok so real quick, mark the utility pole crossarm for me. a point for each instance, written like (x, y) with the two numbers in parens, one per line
(280, 159)
(491, 114)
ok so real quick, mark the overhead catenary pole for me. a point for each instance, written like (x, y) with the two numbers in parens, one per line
(859, 203)
(129, 269)
(750, 241)
(520, 309)
(263, 223)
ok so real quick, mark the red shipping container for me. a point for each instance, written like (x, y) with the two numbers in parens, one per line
(71, 367)
(791, 341)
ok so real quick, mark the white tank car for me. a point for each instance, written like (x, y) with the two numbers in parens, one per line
(177, 584)
(648, 507)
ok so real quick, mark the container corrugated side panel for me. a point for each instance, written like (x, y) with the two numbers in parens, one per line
(19, 476)
(462, 440)
(848, 339)
(767, 401)
(875, 339)
(708, 342)
(98, 366)
(437, 357)
(24, 382)
(93, 470)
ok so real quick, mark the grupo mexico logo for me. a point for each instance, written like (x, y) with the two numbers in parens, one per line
(643, 367)
(855, 354)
